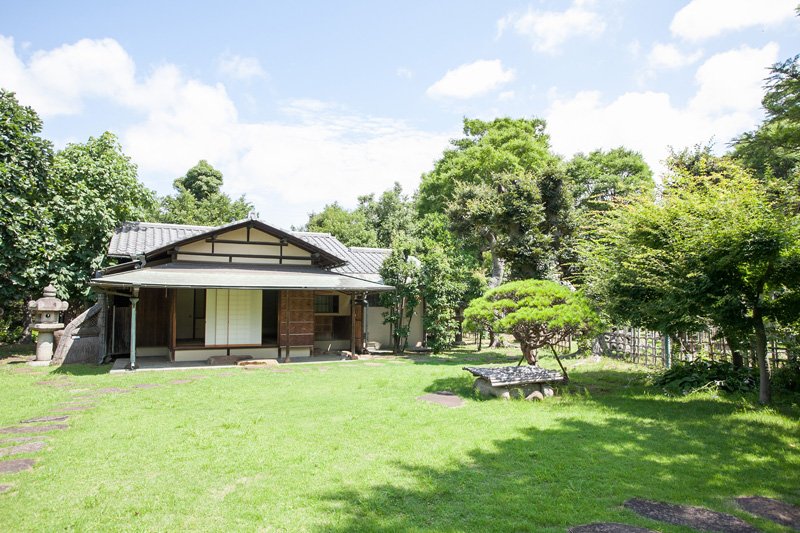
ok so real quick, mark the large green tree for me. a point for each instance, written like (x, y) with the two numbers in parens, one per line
(601, 177)
(198, 199)
(92, 189)
(773, 149)
(350, 227)
(27, 237)
(391, 215)
(477, 168)
(716, 249)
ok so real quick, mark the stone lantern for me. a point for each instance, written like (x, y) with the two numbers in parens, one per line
(45, 319)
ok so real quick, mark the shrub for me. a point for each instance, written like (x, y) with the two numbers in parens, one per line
(685, 377)
(787, 377)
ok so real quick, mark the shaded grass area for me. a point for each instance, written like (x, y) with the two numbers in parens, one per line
(346, 446)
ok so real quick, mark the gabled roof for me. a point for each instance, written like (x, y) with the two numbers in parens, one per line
(132, 239)
(331, 259)
(137, 238)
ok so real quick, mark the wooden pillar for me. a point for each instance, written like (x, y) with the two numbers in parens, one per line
(102, 324)
(172, 296)
(134, 300)
(352, 322)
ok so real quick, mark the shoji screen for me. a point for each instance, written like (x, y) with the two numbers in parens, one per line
(233, 316)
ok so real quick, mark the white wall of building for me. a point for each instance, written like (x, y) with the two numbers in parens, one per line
(379, 332)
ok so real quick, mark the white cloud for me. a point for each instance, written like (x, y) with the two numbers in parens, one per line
(668, 56)
(471, 79)
(318, 153)
(548, 30)
(403, 72)
(505, 96)
(733, 80)
(702, 19)
(239, 67)
(57, 81)
(726, 103)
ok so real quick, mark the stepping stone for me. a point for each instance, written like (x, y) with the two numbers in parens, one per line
(75, 408)
(21, 438)
(685, 515)
(15, 465)
(373, 364)
(52, 418)
(4, 488)
(147, 385)
(779, 512)
(111, 390)
(280, 370)
(446, 398)
(33, 429)
(180, 381)
(28, 447)
(609, 527)
(59, 384)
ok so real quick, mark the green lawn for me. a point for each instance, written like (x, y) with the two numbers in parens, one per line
(346, 446)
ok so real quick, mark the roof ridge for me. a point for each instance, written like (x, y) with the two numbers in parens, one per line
(369, 249)
(164, 224)
(313, 233)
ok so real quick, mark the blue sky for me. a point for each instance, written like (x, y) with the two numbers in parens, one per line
(301, 104)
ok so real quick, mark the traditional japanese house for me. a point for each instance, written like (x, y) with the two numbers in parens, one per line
(247, 288)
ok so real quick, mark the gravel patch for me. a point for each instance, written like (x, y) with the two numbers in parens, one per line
(779, 512)
(684, 515)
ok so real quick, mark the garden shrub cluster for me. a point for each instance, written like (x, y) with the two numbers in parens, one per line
(688, 376)
(787, 377)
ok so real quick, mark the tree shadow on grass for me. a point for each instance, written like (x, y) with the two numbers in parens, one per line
(578, 470)
(465, 358)
(77, 369)
(458, 385)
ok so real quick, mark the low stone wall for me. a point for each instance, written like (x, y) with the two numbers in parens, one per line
(79, 342)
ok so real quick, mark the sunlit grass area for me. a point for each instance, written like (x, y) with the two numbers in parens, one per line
(347, 446)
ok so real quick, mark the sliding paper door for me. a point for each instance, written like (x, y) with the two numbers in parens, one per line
(233, 316)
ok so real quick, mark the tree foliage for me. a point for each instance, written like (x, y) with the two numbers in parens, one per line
(198, 200)
(504, 191)
(202, 180)
(392, 215)
(27, 237)
(401, 272)
(717, 248)
(93, 188)
(350, 227)
(601, 177)
(58, 210)
(774, 148)
(537, 313)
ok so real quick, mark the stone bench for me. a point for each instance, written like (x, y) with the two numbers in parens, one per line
(529, 382)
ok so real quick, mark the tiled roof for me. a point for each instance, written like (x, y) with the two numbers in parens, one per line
(136, 238)
(359, 260)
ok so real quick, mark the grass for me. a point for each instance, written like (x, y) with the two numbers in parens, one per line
(346, 446)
